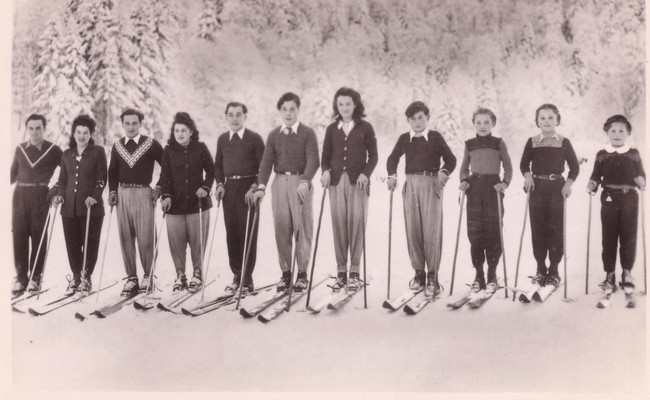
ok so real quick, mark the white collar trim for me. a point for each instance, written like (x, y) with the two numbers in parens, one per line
(620, 150)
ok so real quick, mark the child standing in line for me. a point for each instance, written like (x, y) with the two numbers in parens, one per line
(618, 168)
(542, 165)
(422, 193)
(484, 155)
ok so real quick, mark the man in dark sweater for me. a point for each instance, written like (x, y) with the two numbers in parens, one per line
(292, 152)
(33, 166)
(542, 165)
(239, 154)
(129, 176)
(422, 193)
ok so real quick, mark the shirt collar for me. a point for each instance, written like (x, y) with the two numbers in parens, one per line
(294, 127)
(239, 132)
(555, 136)
(620, 150)
(136, 139)
(425, 135)
(350, 124)
(39, 147)
(484, 137)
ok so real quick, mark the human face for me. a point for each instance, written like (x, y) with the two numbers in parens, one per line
(182, 134)
(345, 106)
(36, 131)
(236, 118)
(289, 112)
(547, 121)
(617, 134)
(418, 121)
(483, 124)
(131, 125)
(81, 136)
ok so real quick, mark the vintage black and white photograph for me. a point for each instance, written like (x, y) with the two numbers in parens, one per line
(326, 197)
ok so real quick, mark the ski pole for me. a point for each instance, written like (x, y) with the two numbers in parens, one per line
(453, 265)
(156, 243)
(588, 242)
(564, 248)
(521, 243)
(101, 269)
(214, 232)
(503, 246)
(46, 228)
(83, 267)
(313, 260)
(243, 260)
(295, 254)
(390, 234)
(363, 243)
(645, 278)
(47, 251)
(201, 239)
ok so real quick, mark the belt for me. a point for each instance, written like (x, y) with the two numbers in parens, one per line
(240, 177)
(624, 190)
(551, 177)
(288, 172)
(27, 184)
(133, 185)
(480, 176)
(424, 173)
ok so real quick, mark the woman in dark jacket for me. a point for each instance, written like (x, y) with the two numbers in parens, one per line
(81, 182)
(186, 177)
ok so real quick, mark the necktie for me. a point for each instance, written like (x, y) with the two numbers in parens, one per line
(288, 130)
(235, 136)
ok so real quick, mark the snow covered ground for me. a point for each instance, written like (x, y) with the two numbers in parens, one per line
(503, 347)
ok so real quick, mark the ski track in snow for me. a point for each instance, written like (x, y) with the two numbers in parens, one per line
(504, 346)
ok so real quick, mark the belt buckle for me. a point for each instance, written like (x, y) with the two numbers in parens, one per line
(288, 173)
(554, 177)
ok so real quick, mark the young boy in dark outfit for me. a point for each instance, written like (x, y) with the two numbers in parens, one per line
(618, 168)
(484, 155)
(542, 165)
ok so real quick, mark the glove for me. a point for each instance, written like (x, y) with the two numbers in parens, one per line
(464, 186)
(90, 201)
(249, 197)
(50, 194)
(501, 187)
(302, 190)
(591, 187)
(362, 182)
(640, 181)
(566, 189)
(258, 195)
(529, 182)
(392, 183)
(166, 204)
(442, 179)
(112, 199)
(219, 192)
(201, 193)
(325, 179)
(155, 193)
(57, 200)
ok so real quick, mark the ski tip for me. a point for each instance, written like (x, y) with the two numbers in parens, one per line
(387, 305)
(245, 313)
(33, 312)
(408, 310)
(262, 319)
(79, 316)
(186, 312)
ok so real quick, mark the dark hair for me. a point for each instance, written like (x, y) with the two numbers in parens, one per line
(236, 104)
(288, 97)
(82, 120)
(416, 107)
(617, 118)
(131, 111)
(359, 109)
(185, 119)
(485, 111)
(548, 106)
(36, 117)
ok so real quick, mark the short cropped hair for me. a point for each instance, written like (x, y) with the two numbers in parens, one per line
(289, 96)
(131, 111)
(82, 120)
(185, 119)
(236, 104)
(359, 109)
(485, 111)
(551, 107)
(36, 117)
(416, 107)
(617, 118)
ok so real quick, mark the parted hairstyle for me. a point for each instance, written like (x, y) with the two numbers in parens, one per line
(184, 119)
(36, 117)
(289, 96)
(359, 110)
(236, 104)
(416, 107)
(485, 111)
(617, 118)
(131, 111)
(82, 120)
(548, 106)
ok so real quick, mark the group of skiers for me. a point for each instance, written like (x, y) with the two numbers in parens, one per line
(242, 169)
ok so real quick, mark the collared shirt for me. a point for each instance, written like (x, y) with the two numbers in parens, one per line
(620, 150)
(135, 139)
(423, 134)
(39, 147)
(554, 140)
(239, 133)
(342, 125)
(294, 128)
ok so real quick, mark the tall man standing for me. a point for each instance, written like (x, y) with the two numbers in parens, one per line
(129, 176)
(237, 163)
(34, 163)
(292, 152)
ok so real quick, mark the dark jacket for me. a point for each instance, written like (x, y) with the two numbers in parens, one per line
(80, 179)
(181, 175)
(354, 154)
